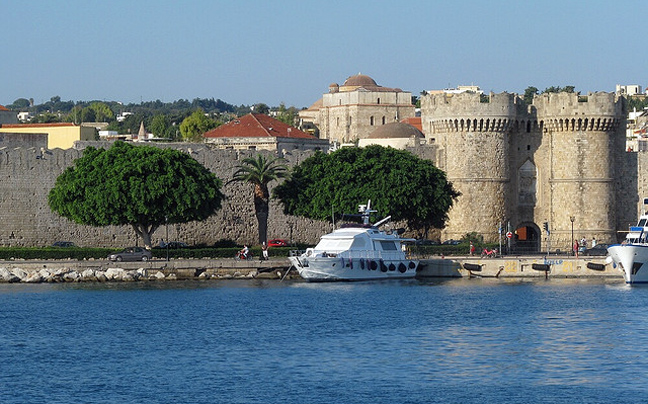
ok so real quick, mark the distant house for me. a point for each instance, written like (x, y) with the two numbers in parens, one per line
(262, 132)
(59, 135)
(24, 116)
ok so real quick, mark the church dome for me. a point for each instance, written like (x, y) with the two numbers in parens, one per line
(359, 80)
(395, 130)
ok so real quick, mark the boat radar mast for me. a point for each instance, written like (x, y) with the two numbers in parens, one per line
(366, 211)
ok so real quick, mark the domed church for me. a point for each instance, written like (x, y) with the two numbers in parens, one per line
(352, 111)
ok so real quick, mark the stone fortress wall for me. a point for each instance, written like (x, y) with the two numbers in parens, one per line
(559, 157)
(29, 173)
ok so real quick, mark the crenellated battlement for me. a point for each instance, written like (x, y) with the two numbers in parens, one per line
(599, 104)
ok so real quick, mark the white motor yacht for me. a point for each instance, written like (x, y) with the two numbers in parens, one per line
(356, 252)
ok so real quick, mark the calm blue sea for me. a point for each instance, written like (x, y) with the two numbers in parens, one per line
(449, 341)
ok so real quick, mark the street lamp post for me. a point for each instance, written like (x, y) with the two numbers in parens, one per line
(166, 222)
(571, 219)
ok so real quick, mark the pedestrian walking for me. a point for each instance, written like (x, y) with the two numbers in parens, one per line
(264, 249)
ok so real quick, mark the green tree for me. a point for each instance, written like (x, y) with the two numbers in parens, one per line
(87, 115)
(161, 126)
(529, 93)
(259, 172)
(397, 183)
(558, 89)
(195, 125)
(287, 115)
(46, 117)
(261, 108)
(102, 112)
(141, 186)
(20, 103)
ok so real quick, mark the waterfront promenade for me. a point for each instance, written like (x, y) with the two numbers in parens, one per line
(33, 271)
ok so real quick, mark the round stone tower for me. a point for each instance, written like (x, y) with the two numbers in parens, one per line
(472, 132)
(585, 135)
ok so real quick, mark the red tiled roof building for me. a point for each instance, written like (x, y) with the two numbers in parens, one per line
(262, 132)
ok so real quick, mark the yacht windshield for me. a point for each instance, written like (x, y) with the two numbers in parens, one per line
(333, 245)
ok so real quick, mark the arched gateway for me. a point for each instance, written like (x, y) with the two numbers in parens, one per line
(526, 238)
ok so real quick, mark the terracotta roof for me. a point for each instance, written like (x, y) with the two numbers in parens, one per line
(3, 108)
(257, 125)
(415, 122)
(37, 125)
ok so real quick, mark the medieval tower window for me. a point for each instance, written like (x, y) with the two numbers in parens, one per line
(383, 120)
(378, 102)
(371, 121)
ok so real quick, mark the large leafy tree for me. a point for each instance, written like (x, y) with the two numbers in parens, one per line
(141, 186)
(397, 183)
(259, 172)
(195, 125)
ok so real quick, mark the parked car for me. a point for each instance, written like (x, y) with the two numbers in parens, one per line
(424, 242)
(599, 249)
(451, 242)
(277, 242)
(64, 244)
(131, 254)
(172, 245)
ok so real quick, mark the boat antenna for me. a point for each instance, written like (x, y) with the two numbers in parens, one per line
(378, 223)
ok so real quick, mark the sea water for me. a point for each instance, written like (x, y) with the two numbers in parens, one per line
(255, 341)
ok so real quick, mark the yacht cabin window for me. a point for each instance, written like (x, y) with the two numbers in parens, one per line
(388, 245)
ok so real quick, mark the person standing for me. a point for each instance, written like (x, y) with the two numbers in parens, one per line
(472, 249)
(576, 248)
(593, 242)
(264, 249)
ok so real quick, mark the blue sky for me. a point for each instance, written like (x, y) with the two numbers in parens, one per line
(246, 51)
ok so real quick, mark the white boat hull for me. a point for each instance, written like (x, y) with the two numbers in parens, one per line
(356, 269)
(632, 260)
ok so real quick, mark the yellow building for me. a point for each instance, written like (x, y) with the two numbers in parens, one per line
(59, 135)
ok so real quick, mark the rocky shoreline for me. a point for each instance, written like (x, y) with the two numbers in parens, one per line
(89, 271)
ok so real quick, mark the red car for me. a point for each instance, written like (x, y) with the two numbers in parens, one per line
(277, 243)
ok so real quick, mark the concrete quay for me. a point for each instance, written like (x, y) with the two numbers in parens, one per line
(275, 268)
(520, 267)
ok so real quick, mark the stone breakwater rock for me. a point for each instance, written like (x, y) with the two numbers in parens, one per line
(16, 275)
(61, 275)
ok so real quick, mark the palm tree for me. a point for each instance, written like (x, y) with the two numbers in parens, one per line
(259, 172)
